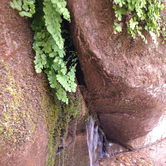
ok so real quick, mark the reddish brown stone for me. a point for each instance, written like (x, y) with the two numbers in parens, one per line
(125, 78)
(23, 130)
(148, 156)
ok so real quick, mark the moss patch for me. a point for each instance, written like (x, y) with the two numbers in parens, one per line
(19, 118)
(57, 118)
(17, 125)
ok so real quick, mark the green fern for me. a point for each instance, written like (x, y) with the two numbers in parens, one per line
(138, 12)
(26, 7)
(50, 56)
(49, 44)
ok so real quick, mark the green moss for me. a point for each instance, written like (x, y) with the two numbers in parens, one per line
(57, 118)
(16, 124)
(18, 120)
(51, 116)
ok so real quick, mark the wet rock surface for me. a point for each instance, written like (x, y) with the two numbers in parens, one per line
(126, 160)
(113, 148)
(125, 78)
(76, 148)
(154, 155)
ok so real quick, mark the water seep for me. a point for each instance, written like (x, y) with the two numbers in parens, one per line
(98, 146)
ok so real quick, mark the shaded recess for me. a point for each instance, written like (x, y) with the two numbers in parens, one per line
(71, 54)
(80, 75)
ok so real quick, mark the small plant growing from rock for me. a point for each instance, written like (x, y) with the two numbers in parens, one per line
(49, 43)
(140, 14)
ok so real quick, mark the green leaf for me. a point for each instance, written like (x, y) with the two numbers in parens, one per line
(142, 14)
(117, 27)
(64, 70)
(53, 25)
(12, 5)
(61, 94)
(25, 6)
(48, 43)
(162, 7)
(119, 12)
(52, 54)
(133, 23)
(16, 5)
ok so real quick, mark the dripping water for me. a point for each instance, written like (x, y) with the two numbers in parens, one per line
(98, 146)
(95, 141)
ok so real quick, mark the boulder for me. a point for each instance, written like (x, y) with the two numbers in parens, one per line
(25, 97)
(125, 79)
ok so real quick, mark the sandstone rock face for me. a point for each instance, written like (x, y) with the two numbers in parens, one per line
(24, 95)
(79, 149)
(125, 78)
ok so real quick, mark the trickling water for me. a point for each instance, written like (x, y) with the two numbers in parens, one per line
(94, 141)
(98, 146)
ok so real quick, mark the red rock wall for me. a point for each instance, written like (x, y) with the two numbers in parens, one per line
(23, 94)
(125, 78)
